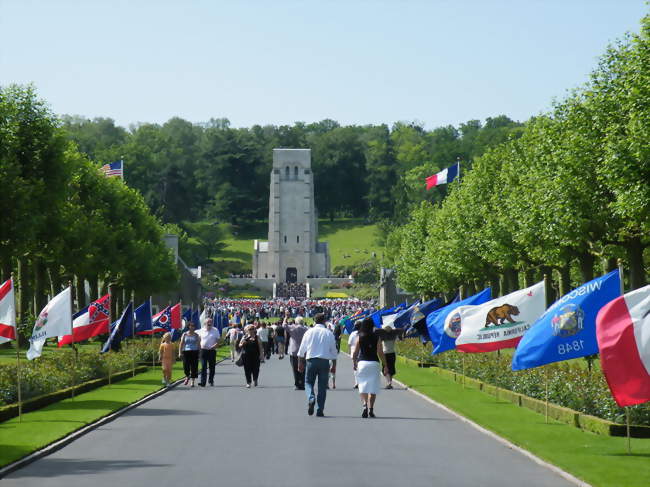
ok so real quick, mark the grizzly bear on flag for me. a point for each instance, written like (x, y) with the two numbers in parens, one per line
(500, 314)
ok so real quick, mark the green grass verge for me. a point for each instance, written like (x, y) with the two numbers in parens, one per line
(350, 240)
(8, 355)
(49, 424)
(599, 460)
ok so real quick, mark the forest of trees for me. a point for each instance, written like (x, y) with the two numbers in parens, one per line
(63, 220)
(190, 172)
(566, 199)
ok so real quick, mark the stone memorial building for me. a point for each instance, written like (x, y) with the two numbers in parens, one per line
(292, 253)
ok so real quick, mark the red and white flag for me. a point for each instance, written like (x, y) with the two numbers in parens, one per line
(500, 323)
(7, 312)
(53, 321)
(623, 333)
(89, 322)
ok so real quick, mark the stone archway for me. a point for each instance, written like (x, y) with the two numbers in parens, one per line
(292, 274)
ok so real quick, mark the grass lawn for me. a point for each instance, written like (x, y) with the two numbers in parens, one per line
(350, 241)
(599, 460)
(49, 424)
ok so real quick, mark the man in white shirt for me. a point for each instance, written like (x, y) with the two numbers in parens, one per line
(317, 348)
(209, 341)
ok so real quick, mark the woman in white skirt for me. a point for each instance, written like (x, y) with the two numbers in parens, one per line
(369, 362)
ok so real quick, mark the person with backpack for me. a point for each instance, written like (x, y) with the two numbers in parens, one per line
(280, 339)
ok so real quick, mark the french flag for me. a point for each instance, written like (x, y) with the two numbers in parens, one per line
(7, 312)
(623, 333)
(443, 177)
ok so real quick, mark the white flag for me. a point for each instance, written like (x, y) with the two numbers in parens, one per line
(7, 312)
(55, 320)
(500, 323)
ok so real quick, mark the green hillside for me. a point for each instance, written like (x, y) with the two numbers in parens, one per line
(350, 240)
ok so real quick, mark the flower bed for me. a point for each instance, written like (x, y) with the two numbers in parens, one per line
(570, 384)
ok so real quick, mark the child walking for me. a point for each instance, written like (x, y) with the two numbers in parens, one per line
(166, 357)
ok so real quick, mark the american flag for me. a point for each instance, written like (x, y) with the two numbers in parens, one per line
(114, 169)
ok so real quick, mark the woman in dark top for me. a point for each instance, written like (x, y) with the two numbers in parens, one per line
(367, 355)
(189, 348)
(252, 354)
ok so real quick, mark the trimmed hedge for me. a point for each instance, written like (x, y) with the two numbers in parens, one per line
(59, 371)
(570, 385)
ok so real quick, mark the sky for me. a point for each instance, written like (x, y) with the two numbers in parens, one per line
(435, 62)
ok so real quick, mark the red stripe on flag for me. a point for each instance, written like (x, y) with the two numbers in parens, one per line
(432, 181)
(82, 333)
(626, 375)
(7, 331)
(5, 288)
(488, 347)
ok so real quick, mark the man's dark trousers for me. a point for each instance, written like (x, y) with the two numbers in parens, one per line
(298, 377)
(209, 358)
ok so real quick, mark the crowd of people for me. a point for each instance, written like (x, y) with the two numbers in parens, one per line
(253, 338)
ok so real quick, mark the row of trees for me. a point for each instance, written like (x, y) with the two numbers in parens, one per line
(62, 219)
(567, 198)
(190, 172)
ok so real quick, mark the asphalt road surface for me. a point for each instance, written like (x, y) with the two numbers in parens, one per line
(228, 435)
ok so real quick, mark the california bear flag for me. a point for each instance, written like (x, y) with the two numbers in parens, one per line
(500, 323)
(55, 320)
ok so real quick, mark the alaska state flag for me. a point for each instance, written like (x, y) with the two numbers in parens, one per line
(567, 329)
(442, 339)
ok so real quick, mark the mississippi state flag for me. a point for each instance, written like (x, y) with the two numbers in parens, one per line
(443, 177)
(89, 322)
(623, 333)
(7, 312)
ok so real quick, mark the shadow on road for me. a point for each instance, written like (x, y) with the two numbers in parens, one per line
(53, 467)
(142, 411)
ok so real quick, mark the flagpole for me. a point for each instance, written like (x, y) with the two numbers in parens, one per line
(619, 263)
(18, 385)
(110, 320)
(74, 351)
(153, 355)
(133, 348)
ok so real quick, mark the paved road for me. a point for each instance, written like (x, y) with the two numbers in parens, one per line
(232, 436)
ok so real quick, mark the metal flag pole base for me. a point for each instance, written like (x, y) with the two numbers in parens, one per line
(20, 401)
(463, 357)
(627, 420)
(546, 395)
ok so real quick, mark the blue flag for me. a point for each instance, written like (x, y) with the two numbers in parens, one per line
(436, 321)
(196, 318)
(117, 330)
(377, 315)
(567, 329)
(142, 315)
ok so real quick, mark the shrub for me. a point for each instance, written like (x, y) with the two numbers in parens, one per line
(570, 384)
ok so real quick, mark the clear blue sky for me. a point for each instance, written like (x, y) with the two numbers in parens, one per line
(277, 62)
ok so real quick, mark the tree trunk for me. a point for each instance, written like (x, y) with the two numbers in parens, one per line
(529, 277)
(24, 294)
(93, 282)
(113, 292)
(494, 285)
(55, 279)
(564, 273)
(609, 264)
(7, 268)
(511, 281)
(551, 295)
(471, 288)
(634, 249)
(586, 262)
(40, 283)
(80, 289)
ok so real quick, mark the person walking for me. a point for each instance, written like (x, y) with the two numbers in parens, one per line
(234, 334)
(295, 331)
(189, 349)
(388, 338)
(366, 357)
(252, 354)
(318, 347)
(280, 335)
(263, 335)
(166, 357)
(352, 341)
(209, 340)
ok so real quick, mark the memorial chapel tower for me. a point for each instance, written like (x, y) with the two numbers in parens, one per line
(292, 252)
